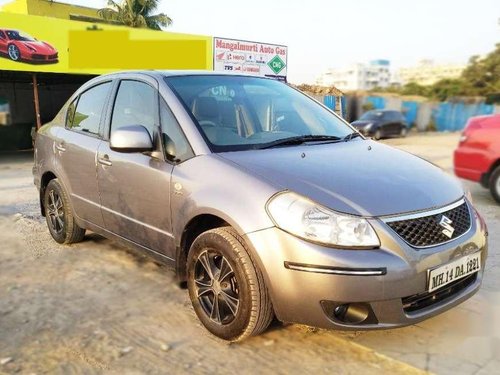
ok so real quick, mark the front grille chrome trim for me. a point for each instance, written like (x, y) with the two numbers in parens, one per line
(417, 215)
(421, 214)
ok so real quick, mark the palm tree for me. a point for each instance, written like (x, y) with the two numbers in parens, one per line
(135, 13)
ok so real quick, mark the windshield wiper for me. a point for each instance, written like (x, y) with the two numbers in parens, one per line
(299, 140)
(348, 137)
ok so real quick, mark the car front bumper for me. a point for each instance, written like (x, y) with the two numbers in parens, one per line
(42, 57)
(308, 296)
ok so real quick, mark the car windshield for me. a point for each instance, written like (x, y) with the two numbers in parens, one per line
(371, 116)
(20, 35)
(241, 113)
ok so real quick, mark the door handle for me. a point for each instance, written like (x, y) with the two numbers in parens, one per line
(60, 147)
(105, 161)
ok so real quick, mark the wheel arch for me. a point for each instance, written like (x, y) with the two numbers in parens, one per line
(194, 227)
(44, 181)
(494, 166)
(486, 177)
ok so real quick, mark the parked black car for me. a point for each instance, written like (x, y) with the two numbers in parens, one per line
(382, 123)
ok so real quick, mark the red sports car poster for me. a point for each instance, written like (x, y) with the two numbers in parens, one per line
(18, 45)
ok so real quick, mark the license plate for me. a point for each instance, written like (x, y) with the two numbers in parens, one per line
(458, 269)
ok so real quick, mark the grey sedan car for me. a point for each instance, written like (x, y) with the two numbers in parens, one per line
(266, 202)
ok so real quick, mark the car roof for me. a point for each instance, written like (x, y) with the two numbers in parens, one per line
(384, 110)
(156, 74)
(179, 73)
(483, 117)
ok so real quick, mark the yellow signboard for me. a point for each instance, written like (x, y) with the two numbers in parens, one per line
(42, 44)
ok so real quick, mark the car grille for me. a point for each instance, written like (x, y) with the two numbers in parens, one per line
(427, 231)
(36, 56)
(423, 300)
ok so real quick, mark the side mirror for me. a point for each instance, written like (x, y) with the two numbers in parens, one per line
(133, 138)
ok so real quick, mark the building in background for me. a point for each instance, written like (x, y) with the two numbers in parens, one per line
(358, 76)
(426, 72)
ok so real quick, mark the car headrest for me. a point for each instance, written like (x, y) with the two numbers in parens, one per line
(205, 107)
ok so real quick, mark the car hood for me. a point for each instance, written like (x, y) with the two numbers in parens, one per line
(358, 177)
(40, 46)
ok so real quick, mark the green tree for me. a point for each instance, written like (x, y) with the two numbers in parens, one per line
(413, 88)
(482, 75)
(136, 13)
(446, 88)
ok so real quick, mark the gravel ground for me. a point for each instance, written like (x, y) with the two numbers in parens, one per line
(97, 307)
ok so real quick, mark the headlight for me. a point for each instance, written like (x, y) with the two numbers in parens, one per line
(367, 126)
(310, 221)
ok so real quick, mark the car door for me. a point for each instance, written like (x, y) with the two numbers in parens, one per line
(135, 187)
(388, 123)
(76, 147)
(400, 123)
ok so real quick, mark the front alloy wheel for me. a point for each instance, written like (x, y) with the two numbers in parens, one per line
(226, 287)
(14, 52)
(216, 287)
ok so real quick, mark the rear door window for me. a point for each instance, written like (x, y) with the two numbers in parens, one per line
(87, 114)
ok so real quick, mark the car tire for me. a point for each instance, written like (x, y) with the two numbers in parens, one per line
(378, 135)
(495, 184)
(226, 287)
(404, 132)
(14, 52)
(59, 215)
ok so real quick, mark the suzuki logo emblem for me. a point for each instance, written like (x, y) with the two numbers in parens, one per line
(446, 224)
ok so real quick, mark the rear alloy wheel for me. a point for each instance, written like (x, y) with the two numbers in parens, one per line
(59, 216)
(14, 53)
(404, 132)
(495, 184)
(226, 288)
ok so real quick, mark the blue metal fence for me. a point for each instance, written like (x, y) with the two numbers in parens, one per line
(329, 101)
(378, 102)
(410, 110)
(446, 116)
(454, 116)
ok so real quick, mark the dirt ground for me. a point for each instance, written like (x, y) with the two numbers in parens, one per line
(96, 307)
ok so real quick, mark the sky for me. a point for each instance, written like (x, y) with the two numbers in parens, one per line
(331, 33)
